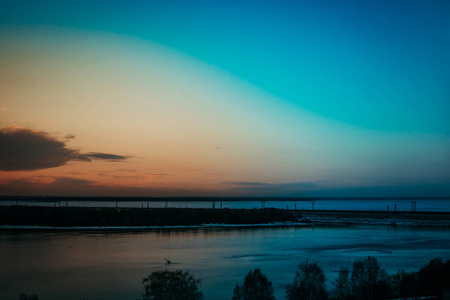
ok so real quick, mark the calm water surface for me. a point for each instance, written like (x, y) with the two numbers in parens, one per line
(110, 265)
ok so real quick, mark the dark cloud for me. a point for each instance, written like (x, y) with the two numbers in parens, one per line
(24, 149)
(107, 156)
(69, 136)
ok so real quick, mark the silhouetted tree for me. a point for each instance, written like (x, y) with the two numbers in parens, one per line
(368, 280)
(342, 285)
(434, 277)
(309, 283)
(432, 280)
(256, 287)
(405, 284)
(28, 297)
(167, 285)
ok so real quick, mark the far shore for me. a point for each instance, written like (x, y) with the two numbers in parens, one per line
(27, 217)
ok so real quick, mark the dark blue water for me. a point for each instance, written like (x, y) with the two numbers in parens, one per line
(110, 265)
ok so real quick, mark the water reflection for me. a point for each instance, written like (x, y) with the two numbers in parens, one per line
(111, 265)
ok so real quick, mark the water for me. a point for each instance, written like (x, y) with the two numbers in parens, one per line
(429, 205)
(110, 265)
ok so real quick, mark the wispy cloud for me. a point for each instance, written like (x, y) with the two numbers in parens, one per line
(63, 182)
(68, 186)
(107, 156)
(246, 183)
(24, 149)
(270, 189)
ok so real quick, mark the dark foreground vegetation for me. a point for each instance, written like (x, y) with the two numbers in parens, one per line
(365, 281)
(89, 216)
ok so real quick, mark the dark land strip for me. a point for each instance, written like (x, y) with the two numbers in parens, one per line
(141, 217)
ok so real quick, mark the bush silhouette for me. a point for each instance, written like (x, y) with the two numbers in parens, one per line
(309, 283)
(255, 287)
(167, 285)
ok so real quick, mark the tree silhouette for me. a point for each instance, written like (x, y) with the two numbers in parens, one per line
(342, 285)
(167, 285)
(368, 280)
(28, 297)
(309, 283)
(256, 287)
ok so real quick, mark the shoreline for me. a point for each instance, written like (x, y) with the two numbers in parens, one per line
(410, 219)
(138, 217)
(71, 218)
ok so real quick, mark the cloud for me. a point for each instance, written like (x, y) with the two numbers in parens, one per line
(59, 186)
(23, 149)
(127, 170)
(69, 136)
(107, 156)
(270, 189)
(71, 182)
(293, 185)
(297, 185)
(246, 183)
(69, 186)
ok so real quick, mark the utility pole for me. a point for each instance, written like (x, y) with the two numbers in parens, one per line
(413, 205)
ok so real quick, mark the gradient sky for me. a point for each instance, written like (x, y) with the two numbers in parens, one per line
(231, 98)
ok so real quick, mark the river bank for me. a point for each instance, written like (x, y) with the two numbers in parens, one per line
(138, 217)
(141, 218)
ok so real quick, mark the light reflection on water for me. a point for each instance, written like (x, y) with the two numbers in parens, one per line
(111, 265)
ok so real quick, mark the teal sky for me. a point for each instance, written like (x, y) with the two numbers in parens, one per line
(369, 79)
(381, 65)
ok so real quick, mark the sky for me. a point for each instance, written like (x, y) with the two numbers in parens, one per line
(225, 98)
